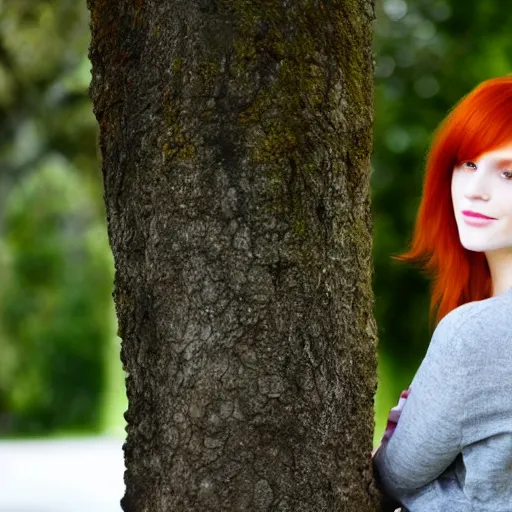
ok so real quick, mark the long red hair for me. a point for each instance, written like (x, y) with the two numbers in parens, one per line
(480, 122)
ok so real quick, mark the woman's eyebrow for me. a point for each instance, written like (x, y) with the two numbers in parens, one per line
(500, 160)
(504, 162)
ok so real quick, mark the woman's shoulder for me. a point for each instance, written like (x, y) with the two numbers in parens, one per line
(472, 312)
(477, 320)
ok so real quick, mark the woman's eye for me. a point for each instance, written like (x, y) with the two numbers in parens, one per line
(509, 174)
(470, 165)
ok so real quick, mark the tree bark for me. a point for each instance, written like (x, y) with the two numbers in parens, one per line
(236, 138)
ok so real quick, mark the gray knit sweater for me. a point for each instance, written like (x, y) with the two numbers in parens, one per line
(452, 448)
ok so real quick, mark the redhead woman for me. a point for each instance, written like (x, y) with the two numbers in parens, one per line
(451, 448)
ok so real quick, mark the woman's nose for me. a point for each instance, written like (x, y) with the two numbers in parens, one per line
(476, 188)
(477, 195)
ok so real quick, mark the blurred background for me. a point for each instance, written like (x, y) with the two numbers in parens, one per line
(61, 382)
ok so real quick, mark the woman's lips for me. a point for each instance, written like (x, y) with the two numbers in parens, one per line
(469, 213)
(476, 219)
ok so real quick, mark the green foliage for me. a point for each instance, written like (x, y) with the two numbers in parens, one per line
(57, 323)
(59, 356)
(55, 307)
(429, 54)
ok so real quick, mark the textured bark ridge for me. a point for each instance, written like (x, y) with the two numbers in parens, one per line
(236, 138)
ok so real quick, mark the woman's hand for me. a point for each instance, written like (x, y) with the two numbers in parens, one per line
(393, 417)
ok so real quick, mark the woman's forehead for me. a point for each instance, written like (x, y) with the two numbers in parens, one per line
(502, 154)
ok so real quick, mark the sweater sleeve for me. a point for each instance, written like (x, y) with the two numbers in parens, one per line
(427, 438)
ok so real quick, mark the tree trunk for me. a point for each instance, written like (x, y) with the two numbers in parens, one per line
(236, 141)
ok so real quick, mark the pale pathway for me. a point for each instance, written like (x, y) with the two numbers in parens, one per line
(64, 475)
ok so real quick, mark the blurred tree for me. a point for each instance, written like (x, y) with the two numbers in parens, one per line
(44, 75)
(236, 141)
(57, 325)
(54, 305)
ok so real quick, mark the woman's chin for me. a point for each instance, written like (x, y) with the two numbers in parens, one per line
(475, 247)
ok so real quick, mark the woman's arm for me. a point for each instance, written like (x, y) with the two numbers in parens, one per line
(428, 436)
(387, 503)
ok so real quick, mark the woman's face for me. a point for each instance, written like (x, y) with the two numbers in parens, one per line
(484, 186)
